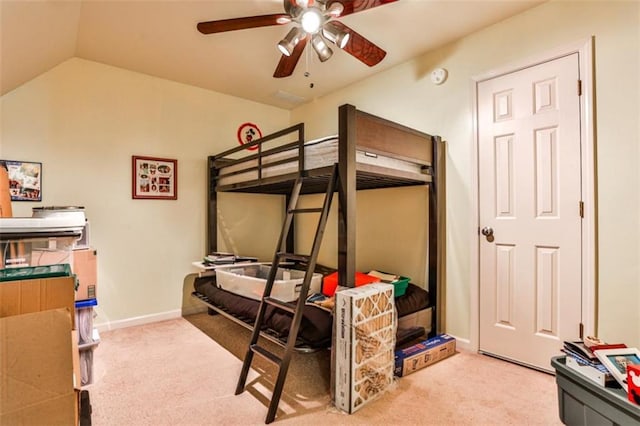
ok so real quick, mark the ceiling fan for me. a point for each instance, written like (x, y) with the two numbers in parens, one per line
(315, 22)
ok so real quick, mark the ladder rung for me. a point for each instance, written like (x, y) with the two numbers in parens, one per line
(271, 357)
(293, 256)
(285, 306)
(309, 210)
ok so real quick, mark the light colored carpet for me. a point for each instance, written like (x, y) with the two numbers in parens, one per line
(175, 373)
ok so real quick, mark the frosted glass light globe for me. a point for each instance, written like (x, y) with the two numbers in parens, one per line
(311, 21)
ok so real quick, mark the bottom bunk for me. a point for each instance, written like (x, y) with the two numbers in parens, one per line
(414, 315)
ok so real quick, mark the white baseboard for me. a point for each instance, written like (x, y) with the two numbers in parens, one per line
(145, 319)
(463, 344)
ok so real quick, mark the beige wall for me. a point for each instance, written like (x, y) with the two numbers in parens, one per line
(84, 121)
(405, 94)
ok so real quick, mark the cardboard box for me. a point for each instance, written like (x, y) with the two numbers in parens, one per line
(36, 372)
(364, 342)
(34, 295)
(75, 357)
(85, 266)
(420, 355)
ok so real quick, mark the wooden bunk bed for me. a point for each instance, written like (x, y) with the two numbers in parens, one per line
(371, 152)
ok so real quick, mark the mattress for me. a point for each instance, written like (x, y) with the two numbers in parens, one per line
(317, 324)
(318, 153)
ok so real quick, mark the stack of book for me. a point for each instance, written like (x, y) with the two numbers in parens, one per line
(583, 359)
(218, 258)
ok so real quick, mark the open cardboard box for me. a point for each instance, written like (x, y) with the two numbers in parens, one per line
(39, 361)
(37, 370)
(35, 295)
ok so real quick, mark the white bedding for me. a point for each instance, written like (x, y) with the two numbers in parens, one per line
(317, 153)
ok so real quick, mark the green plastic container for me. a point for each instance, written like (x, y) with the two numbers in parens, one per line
(400, 286)
(34, 272)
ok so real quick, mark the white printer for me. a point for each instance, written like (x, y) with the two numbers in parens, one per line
(46, 221)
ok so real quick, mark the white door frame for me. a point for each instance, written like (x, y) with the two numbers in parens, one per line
(584, 49)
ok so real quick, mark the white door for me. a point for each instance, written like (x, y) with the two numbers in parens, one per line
(530, 212)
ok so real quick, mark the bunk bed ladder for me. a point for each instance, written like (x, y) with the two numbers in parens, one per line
(296, 308)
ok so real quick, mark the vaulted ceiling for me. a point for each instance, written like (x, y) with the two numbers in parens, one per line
(159, 38)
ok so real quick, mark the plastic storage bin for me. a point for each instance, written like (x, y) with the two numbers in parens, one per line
(34, 272)
(581, 401)
(250, 280)
(20, 252)
(88, 338)
(400, 286)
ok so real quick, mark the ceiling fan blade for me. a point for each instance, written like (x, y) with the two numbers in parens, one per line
(353, 6)
(361, 48)
(291, 7)
(288, 63)
(233, 24)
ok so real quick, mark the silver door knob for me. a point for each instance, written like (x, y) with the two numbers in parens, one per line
(488, 232)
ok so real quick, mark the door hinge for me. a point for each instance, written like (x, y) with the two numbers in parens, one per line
(579, 87)
(581, 327)
(581, 207)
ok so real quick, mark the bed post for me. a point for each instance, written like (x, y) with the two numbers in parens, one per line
(212, 207)
(437, 237)
(347, 195)
(290, 241)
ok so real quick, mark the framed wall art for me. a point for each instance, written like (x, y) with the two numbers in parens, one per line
(25, 180)
(154, 178)
(247, 133)
(617, 360)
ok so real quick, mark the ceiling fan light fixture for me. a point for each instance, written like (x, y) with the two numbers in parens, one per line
(316, 24)
(289, 42)
(335, 35)
(322, 49)
(335, 10)
(311, 20)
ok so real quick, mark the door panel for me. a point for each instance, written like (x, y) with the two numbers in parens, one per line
(529, 195)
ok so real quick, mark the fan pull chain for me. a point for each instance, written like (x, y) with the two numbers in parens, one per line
(306, 63)
(307, 73)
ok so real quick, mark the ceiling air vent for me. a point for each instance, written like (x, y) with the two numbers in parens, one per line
(289, 97)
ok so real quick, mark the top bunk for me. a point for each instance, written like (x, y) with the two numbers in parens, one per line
(379, 152)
